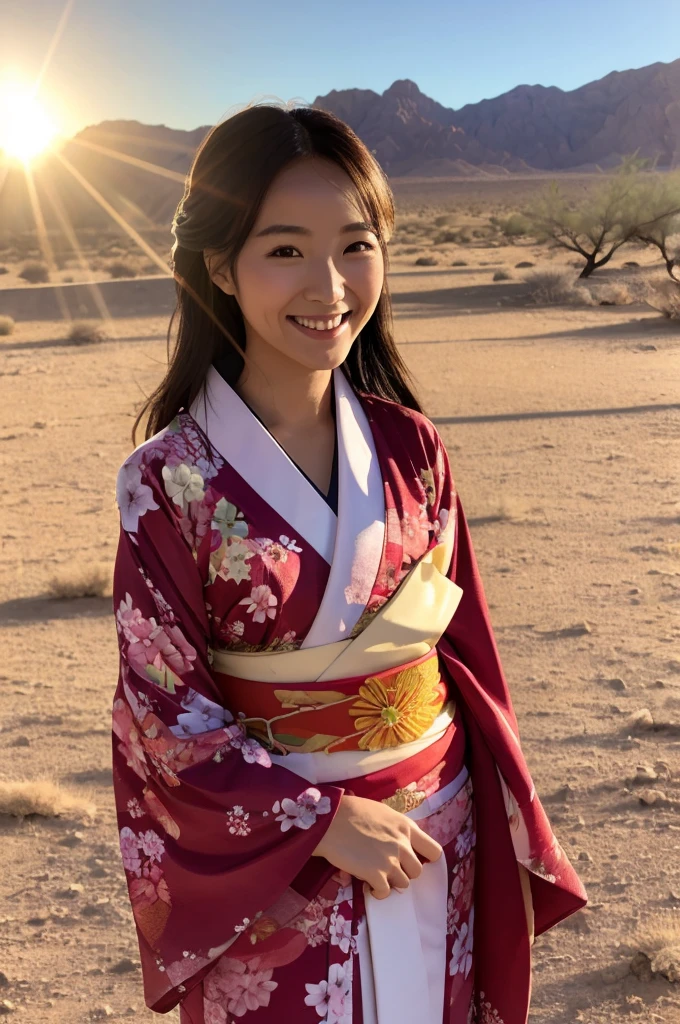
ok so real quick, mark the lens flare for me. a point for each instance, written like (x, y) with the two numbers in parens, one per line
(26, 130)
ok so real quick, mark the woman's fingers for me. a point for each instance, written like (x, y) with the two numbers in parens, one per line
(380, 888)
(410, 863)
(425, 845)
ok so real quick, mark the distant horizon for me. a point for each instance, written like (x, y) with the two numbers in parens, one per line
(166, 64)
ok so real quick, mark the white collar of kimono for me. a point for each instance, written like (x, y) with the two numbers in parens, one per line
(351, 542)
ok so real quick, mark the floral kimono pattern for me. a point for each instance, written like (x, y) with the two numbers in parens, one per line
(234, 914)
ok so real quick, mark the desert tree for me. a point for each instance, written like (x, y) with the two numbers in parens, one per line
(614, 213)
(663, 227)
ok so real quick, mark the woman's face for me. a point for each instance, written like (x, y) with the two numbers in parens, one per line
(313, 272)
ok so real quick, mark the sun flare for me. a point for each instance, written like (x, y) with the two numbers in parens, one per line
(26, 129)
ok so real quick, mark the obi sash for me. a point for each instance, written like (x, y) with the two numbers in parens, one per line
(376, 699)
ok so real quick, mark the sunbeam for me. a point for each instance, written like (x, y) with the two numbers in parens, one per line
(144, 165)
(43, 240)
(106, 206)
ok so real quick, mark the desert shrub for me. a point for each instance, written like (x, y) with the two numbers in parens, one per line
(502, 275)
(68, 280)
(463, 237)
(426, 261)
(443, 218)
(547, 287)
(6, 325)
(515, 225)
(459, 263)
(411, 249)
(444, 237)
(662, 294)
(631, 263)
(614, 294)
(35, 272)
(4, 270)
(524, 263)
(81, 581)
(119, 268)
(43, 797)
(85, 332)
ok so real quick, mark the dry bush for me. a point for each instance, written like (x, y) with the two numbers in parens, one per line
(35, 272)
(426, 261)
(459, 263)
(502, 275)
(81, 581)
(656, 946)
(514, 226)
(4, 270)
(85, 332)
(6, 325)
(42, 796)
(121, 268)
(548, 287)
(616, 293)
(660, 294)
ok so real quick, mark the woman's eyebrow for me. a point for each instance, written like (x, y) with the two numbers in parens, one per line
(295, 229)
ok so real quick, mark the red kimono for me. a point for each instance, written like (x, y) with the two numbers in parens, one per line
(225, 783)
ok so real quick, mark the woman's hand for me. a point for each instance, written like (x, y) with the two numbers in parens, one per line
(373, 842)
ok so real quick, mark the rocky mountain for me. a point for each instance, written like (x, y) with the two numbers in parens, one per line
(529, 130)
(530, 127)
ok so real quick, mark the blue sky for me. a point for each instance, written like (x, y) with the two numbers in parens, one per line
(190, 64)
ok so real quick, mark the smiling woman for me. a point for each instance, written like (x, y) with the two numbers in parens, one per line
(323, 805)
(26, 130)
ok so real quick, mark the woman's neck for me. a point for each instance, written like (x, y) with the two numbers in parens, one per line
(299, 400)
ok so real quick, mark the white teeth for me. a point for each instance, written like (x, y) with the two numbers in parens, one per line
(319, 325)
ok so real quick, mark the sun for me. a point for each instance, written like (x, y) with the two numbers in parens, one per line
(26, 130)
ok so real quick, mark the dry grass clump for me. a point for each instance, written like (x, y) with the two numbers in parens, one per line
(122, 268)
(42, 796)
(657, 947)
(502, 275)
(35, 272)
(663, 295)
(556, 287)
(426, 261)
(81, 581)
(85, 332)
(6, 325)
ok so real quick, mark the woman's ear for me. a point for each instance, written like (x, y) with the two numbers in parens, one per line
(215, 263)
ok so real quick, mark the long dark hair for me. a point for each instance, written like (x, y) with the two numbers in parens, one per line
(233, 169)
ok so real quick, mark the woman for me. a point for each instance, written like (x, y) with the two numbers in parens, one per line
(324, 809)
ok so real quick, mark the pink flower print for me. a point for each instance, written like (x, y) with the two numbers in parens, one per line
(152, 844)
(150, 888)
(237, 821)
(250, 749)
(340, 931)
(461, 953)
(130, 745)
(129, 848)
(313, 923)
(134, 808)
(213, 1013)
(303, 811)
(261, 603)
(332, 999)
(183, 484)
(270, 552)
(464, 842)
(161, 647)
(202, 715)
(134, 498)
(245, 987)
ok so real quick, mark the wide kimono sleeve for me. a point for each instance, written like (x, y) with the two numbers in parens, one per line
(211, 832)
(549, 887)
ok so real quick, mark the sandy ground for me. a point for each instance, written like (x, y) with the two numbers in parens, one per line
(564, 441)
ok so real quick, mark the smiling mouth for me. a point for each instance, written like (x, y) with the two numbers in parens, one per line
(345, 317)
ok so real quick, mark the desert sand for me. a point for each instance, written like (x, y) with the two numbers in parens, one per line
(562, 424)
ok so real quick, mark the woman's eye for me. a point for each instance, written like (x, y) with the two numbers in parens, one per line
(291, 248)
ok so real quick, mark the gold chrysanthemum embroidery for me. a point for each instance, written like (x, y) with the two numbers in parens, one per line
(400, 709)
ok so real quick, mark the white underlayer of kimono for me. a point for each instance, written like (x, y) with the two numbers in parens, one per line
(404, 935)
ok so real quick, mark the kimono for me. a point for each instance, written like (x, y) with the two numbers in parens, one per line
(275, 655)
